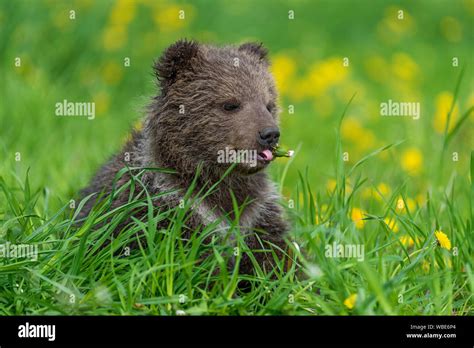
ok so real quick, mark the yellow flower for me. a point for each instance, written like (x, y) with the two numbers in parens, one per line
(412, 160)
(350, 301)
(444, 102)
(407, 241)
(357, 216)
(404, 67)
(331, 185)
(401, 206)
(352, 130)
(443, 240)
(138, 126)
(325, 74)
(123, 12)
(382, 190)
(392, 224)
(114, 37)
(173, 17)
(392, 27)
(283, 68)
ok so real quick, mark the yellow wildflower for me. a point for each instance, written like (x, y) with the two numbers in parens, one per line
(357, 216)
(411, 204)
(114, 37)
(283, 68)
(325, 74)
(331, 185)
(407, 241)
(392, 224)
(404, 67)
(396, 23)
(173, 17)
(138, 125)
(352, 130)
(123, 12)
(444, 102)
(443, 240)
(403, 205)
(350, 301)
(412, 160)
(382, 190)
(400, 204)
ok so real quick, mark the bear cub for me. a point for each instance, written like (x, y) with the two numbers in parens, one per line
(211, 99)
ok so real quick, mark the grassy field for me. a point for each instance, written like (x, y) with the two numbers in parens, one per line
(398, 187)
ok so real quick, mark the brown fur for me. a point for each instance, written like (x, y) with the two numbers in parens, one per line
(200, 79)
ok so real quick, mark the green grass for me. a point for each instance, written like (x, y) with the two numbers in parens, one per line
(46, 159)
(168, 275)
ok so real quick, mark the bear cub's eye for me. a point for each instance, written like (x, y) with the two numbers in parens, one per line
(270, 106)
(231, 105)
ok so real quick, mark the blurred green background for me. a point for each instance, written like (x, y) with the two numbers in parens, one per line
(82, 59)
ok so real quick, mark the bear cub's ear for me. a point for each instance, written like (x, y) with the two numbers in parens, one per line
(176, 58)
(256, 49)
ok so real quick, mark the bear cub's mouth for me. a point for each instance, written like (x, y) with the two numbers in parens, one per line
(265, 156)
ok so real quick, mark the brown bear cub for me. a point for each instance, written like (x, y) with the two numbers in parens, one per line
(212, 100)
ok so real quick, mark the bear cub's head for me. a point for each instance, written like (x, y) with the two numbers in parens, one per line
(217, 106)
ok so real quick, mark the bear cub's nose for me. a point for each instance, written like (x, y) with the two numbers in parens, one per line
(269, 136)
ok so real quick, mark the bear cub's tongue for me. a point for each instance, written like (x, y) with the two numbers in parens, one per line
(266, 155)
